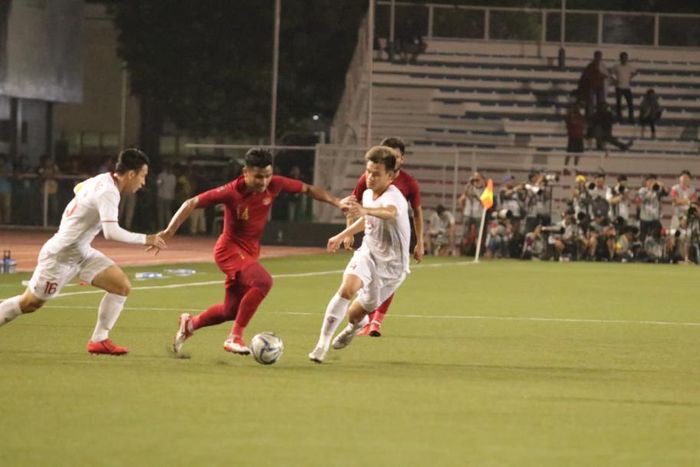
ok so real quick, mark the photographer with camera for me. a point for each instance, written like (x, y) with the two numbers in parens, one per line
(535, 244)
(537, 196)
(649, 200)
(600, 239)
(580, 198)
(619, 200)
(678, 242)
(499, 234)
(564, 236)
(627, 247)
(511, 197)
(683, 196)
(470, 203)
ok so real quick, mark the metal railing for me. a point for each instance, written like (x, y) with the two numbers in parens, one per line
(539, 25)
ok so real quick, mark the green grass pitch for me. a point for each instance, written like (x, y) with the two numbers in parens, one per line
(500, 363)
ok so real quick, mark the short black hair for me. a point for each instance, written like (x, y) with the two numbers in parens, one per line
(650, 177)
(131, 159)
(683, 172)
(258, 157)
(622, 178)
(394, 143)
(382, 155)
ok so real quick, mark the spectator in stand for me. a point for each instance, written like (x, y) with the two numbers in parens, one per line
(649, 200)
(5, 190)
(650, 112)
(48, 187)
(198, 221)
(602, 124)
(575, 128)
(26, 189)
(296, 203)
(592, 84)
(470, 203)
(623, 73)
(440, 240)
(166, 182)
(683, 195)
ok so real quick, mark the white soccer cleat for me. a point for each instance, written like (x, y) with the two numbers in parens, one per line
(183, 332)
(236, 345)
(318, 355)
(344, 339)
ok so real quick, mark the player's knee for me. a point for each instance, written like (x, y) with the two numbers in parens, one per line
(123, 288)
(265, 283)
(346, 292)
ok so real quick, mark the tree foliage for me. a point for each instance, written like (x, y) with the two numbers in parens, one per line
(207, 64)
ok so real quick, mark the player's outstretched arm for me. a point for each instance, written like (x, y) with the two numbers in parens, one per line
(319, 194)
(180, 216)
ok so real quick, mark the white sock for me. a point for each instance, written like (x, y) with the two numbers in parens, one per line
(335, 312)
(9, 309)
(110, 308)
(363, 322)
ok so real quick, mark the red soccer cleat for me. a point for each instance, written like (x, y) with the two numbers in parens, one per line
(375, 329)
(106, 347)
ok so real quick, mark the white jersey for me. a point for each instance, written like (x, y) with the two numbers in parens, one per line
(96, 201)
(387, 241)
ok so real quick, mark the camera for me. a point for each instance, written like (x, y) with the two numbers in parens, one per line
(619, 189)
(591, 186)
(692, 212)
(551, 178)
(502, 214)
(554, 229)
(656, 187)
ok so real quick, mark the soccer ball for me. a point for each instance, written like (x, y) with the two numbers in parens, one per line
(266, 348)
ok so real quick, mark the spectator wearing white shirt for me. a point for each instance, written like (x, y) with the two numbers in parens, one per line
(683, 195)
(166, 182)
(623, 73)
(441, 232)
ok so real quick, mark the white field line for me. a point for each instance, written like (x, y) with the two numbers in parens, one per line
(436, 317)
(274, 276)
(398, 315)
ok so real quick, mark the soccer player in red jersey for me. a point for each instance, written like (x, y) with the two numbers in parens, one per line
(410, 189)
(247, 201)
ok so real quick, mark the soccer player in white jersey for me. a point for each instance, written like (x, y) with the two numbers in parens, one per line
(69, 253)
(380, 265)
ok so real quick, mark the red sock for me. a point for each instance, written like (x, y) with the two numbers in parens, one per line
(219, 313)
(258, 283)
(380, 313)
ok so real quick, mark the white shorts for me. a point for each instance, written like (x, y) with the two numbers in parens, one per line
(51, 275)
(375, 289)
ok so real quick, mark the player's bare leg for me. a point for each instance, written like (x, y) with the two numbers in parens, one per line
(113, 281)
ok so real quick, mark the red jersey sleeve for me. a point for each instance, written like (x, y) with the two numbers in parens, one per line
(360, 188)
(290, 185)
(214, 196)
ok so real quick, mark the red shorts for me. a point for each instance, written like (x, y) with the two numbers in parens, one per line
(231, 260)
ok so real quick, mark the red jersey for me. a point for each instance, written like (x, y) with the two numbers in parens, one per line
(407, 185)
(245, 214)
